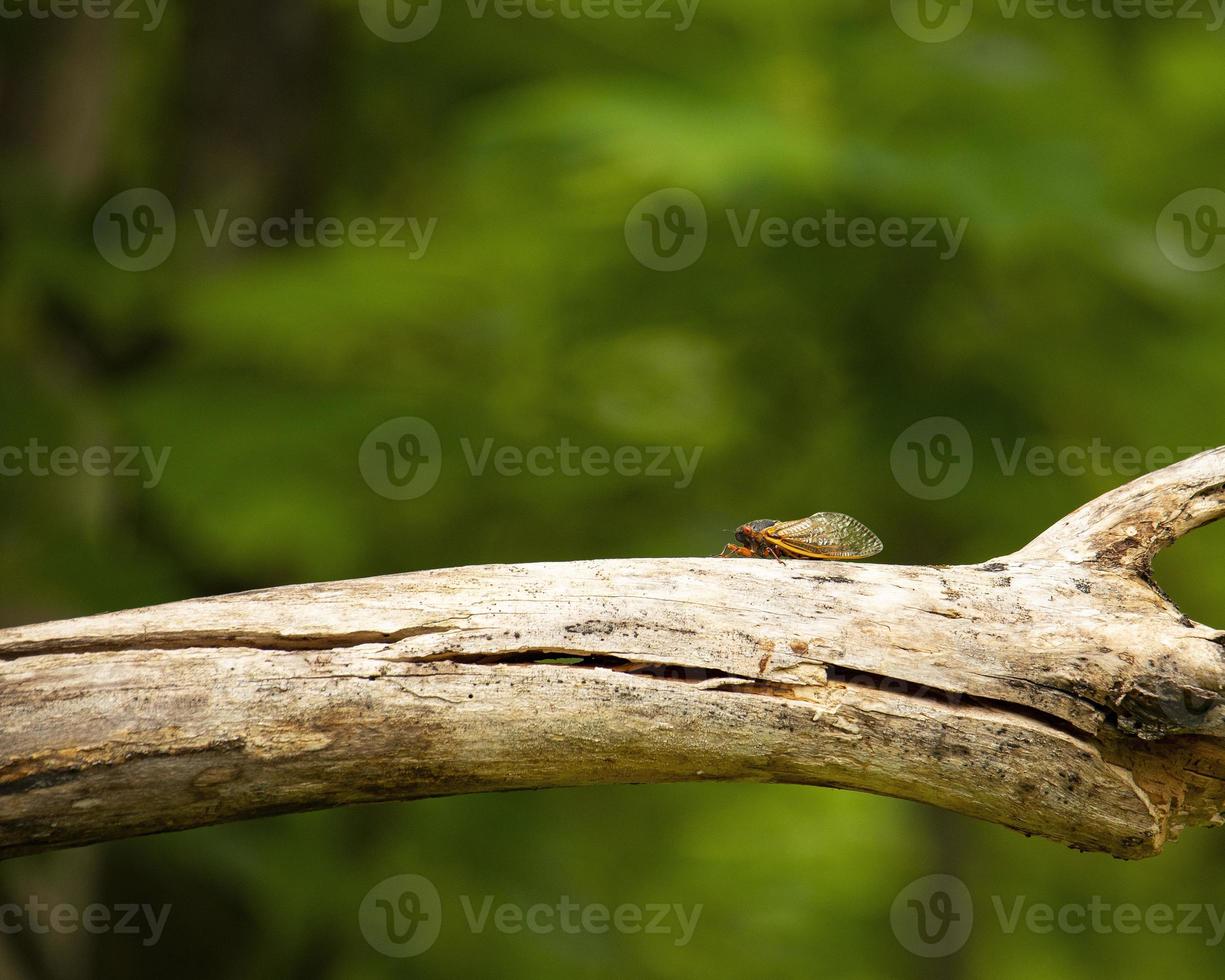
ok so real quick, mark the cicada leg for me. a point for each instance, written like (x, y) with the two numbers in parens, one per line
(735, 551)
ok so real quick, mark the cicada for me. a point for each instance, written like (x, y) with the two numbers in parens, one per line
(819, 536)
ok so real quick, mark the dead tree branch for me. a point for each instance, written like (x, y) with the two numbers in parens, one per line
(1056, 690)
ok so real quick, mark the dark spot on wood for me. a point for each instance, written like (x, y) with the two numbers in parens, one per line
(1114, 554)
(1156, 707)
(1083, 586)
(593, 627)
(39, 781)
(75, 770)
(215, 775)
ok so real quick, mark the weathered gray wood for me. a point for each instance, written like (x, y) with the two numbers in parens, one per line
(1056, 690)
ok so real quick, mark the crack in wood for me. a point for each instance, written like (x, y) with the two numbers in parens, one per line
(213, 640)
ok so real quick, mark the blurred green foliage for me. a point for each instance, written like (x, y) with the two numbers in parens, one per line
(1058, 322)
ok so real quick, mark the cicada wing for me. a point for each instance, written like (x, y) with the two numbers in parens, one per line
(828, 536)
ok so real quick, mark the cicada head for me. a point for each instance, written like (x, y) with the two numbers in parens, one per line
(749, 533)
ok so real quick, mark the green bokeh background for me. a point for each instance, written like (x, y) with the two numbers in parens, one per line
(1058, 322)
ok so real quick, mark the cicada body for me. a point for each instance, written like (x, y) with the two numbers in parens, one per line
(828, 536)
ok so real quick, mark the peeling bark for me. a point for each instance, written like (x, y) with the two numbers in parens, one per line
(1056, 690)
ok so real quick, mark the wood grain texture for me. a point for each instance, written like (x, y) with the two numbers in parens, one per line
(1056, 690)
